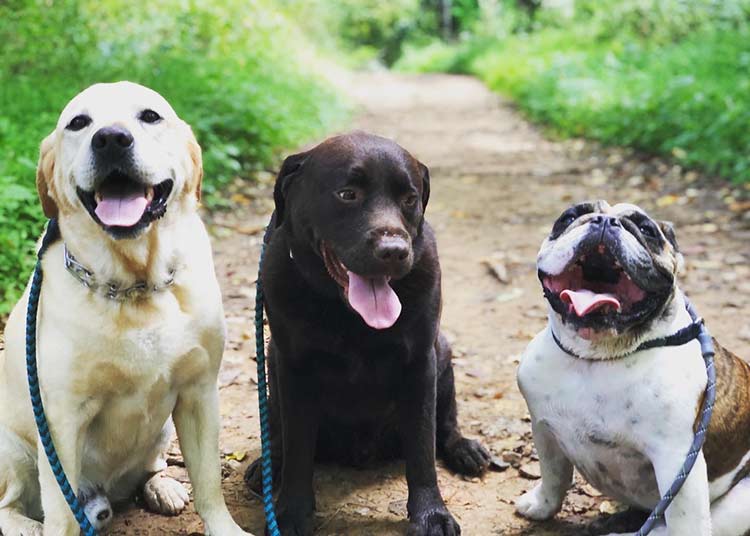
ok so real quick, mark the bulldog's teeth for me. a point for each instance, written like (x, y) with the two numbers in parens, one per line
(98, 197)
(150, 193)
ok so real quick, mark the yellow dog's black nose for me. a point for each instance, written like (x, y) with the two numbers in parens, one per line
(112, 142)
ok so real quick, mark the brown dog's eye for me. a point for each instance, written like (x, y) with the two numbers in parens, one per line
(411, 200)
(149, 116)
(347, 195)
(79, 122)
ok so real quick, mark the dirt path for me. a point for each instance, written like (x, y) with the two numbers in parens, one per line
(497, 186)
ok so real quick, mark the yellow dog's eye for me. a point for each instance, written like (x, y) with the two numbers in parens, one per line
(149, 116)
(79, 122)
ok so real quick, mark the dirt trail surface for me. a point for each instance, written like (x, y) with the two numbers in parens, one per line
(497, 186)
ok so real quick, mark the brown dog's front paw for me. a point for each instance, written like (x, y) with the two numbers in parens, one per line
(254, 476)
(294, 523)
(434, 523)
(466, 457)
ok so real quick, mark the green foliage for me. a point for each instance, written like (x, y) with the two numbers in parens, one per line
(236, 70)
(665, 76)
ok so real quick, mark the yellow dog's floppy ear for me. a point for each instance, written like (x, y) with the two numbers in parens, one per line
(44, 173)
(196, 156)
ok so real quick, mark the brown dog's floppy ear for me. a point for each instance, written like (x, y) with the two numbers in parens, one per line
(44, 172)
(289, 169)
(425, 185)
(196, 156)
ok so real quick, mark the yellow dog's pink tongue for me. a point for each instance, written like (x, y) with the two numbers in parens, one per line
(584, 301)
(374, 300)
(123, 211)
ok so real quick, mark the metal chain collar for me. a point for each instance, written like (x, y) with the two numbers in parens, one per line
(112, 289)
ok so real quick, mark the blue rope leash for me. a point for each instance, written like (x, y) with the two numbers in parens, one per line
(707, 349)
(34, 391)
(265, 426)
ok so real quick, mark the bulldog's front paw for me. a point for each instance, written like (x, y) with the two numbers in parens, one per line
(466, 457)
(164, 495)
(658, 530)
(434, 523)
(534, 505)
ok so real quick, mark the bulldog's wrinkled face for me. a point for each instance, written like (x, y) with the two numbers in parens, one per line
(358, 202)
(608, 270)
(119, 151)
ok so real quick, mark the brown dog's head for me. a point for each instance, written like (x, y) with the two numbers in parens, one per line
(357, 201)
(120, 156)
(609, 272)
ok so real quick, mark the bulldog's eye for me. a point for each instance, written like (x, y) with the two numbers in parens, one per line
(347, 194)
(79, 122)
(566, 220)
(411, 200)
(647, 229)
(149, 116)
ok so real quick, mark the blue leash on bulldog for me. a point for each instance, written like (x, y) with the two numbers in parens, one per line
(696, 330)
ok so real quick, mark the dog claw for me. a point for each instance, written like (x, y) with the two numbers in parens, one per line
(534, 505)
(467, 457)
(165, 495)
(435, 523)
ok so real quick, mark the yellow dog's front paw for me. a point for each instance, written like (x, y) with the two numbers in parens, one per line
(165, 495)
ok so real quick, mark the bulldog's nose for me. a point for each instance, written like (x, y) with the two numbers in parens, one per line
(603, 221)
(112, 142)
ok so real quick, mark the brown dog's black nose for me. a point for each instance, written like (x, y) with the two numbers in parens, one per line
(111, 142)
(392, 250)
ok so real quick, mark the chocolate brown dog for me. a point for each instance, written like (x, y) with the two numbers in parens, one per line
(358, 369)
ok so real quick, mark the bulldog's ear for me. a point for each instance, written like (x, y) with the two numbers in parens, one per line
(44, 173)
(196, 156)
(289, 169)
(667, 227)
(425, 185)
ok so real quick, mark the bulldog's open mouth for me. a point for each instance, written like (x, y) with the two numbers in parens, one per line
(123, 206)
(596, 291)
(371, 297)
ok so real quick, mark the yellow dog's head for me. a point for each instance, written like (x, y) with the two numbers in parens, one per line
(119, 159)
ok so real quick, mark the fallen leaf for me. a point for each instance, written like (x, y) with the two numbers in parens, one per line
(530, 470)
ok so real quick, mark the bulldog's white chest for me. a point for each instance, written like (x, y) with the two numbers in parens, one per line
(611, 417)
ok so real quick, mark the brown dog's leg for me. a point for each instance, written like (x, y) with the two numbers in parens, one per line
(428, 514)
(299, 423)
(462, 455)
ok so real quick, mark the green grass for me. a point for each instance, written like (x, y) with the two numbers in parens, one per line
(686, 97)
(237, 70)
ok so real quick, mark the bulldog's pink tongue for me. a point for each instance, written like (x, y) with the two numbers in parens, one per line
(121, 211)
(374, 300)
(584, 301)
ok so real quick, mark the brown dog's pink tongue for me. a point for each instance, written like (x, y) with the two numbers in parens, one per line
(584, 301)
(123, 211)
(374, 300)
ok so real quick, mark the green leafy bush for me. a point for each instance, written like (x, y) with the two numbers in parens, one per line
(665, 76)
(237, 70)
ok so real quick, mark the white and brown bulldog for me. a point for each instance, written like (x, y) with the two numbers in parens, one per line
(625, 417)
